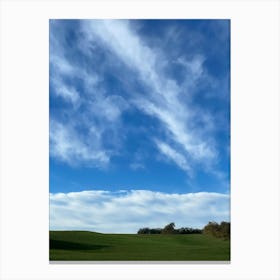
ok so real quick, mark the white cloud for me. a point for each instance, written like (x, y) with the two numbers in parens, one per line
(163, 100)
(163, 97)
(194, 67)
(118, 35)
(65, 91)
(62, 68)
(173, 155)
(109, 108)
(177, 127)
(127, 211)
(67, 146)
(66, 142)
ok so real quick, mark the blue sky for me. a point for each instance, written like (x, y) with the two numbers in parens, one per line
(139, 111)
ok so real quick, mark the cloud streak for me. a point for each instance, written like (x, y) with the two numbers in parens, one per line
(127, 55)
(78, 84)
(173, 155)
(127, 211)
(67, 146)
(163, 99)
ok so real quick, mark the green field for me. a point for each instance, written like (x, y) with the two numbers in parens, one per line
(85, 245)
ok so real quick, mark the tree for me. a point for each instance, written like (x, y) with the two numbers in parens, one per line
(155, 230)
(216, 230)
(169, 229)
(225, 230)
(144, 231)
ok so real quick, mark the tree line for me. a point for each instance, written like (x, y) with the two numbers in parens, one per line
(169, 229)
(221, 230)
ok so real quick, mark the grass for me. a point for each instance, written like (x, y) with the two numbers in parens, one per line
(84, 245)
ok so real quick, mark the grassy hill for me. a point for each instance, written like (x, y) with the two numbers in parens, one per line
(84, 245)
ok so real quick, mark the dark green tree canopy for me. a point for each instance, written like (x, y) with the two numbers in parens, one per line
(170, 228)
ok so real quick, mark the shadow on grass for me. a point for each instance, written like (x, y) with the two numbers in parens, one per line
(66, 245)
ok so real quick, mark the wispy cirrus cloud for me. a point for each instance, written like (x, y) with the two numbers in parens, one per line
(173, 155)
(129, 58)
(69, 93)
(66, 145)
(127, 211)
(163, 99)
(78, 136)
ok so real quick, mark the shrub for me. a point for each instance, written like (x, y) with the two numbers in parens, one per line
(218, 230)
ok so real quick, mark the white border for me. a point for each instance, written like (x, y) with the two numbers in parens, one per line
(254, 136)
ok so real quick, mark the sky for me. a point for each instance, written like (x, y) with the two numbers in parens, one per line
(139, 123)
